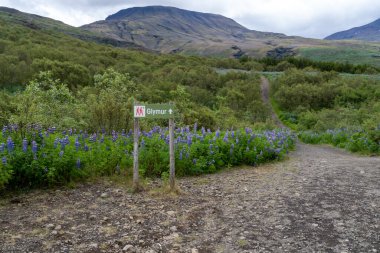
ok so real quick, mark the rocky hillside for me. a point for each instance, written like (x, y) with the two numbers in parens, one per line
(369, 32)
(170, 30)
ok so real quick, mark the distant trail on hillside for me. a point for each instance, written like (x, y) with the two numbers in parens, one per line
(265, 86)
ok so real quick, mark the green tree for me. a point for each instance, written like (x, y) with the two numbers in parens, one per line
(109, 104)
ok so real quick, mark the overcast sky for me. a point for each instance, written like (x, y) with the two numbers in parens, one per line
(308, 18)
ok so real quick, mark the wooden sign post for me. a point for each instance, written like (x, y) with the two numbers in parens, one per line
(153, 111)
(172, 154)
(136, 186)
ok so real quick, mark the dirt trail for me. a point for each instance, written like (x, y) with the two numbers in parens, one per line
(319, 200)
(265, 96)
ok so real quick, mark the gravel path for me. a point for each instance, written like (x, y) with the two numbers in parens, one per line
(319, 200)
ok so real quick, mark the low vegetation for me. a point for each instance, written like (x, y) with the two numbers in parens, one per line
(329, 108)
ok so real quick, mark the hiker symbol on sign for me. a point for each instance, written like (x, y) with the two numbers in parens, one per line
(139, 111)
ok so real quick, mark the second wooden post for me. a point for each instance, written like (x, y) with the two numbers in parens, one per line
(172, 153)
(136, 185)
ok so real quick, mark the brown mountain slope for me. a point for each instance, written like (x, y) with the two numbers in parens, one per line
(173, 30)
(169, 29)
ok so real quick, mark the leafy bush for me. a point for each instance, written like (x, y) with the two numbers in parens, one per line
(317, 102)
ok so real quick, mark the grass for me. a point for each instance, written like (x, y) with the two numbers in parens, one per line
(357, 55)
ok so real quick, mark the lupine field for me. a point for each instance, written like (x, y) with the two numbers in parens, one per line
(45, 157)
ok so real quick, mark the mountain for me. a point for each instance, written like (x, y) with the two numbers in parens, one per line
(173, 30)
(369, 32)
(36, 22)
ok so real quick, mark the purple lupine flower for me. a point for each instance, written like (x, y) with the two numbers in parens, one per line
(189, 140)
(225, 139)
(61, 153)
(195, 127)
(187, 155)
(78, 163)
(34, 147)
(232, 134)
(56, 141)
(25, 145)
(63, 144)
(156, 129)
(77, 144)
(114, 136)
(180, 154)
(2, 147)
(4, 131)
(102, 139)
(203, 130)
(66, 140)
(10, 145)
(4, 160)
(52, 130)
(86, 148)
(194, 161)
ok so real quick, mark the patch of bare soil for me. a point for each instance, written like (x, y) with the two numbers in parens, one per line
(321, 199)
